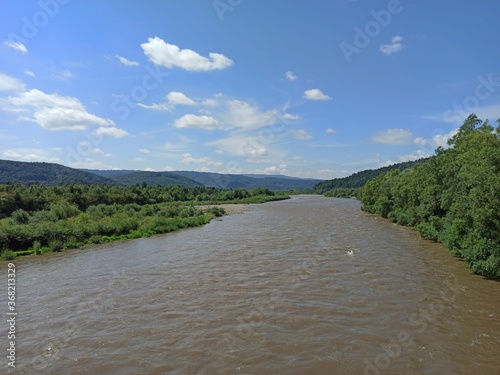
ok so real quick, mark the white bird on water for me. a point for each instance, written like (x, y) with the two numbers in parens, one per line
(350, 252)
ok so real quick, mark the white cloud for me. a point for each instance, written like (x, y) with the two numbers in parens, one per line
(274, 169)
(178, 98)
(198, 122)
(239, 114)
(290, 76)
(393, 137)
(172, 99)
(316, 95)
(126, 62)
(189, 159)
(301, 135)
(30, 154)
(18, 46)
(210, 103)
(111, 131)
(330, 131)
(97, 151)
(52, 111)
(149, 169)
(29, 73)
(170, 55)
(241, 145)
(8, 83)
(393, 47)
(289, 116)
(63, 75)
(144, 150)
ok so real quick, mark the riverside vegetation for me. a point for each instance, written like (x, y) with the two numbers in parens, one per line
(452, 198)
(36, 218)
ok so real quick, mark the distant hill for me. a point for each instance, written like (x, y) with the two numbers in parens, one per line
(359, 179)
(232, 181)
(46, 173)
(53, 174)
(154, 179)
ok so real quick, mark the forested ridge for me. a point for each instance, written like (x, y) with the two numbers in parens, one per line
(37, 218)
(349, 186)
(452, 198)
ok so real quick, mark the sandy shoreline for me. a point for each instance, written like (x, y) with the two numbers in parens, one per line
(230, 209)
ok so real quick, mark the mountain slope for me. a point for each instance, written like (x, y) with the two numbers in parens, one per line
(46, 173)
(359, 179)
(154, 179)
(232, 181)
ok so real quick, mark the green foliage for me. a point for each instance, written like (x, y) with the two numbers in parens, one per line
(8, 255)
(359, 179)
(74, 215)
(342, 192)
(36, 247)
(453, 197)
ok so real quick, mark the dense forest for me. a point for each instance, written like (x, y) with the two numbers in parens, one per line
(208, 179)
(38, 218)
(452, 198)
(45, 173)
(346, 187)
(55, 174)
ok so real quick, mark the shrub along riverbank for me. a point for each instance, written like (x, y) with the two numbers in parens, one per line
(452, 198)
(37, 218)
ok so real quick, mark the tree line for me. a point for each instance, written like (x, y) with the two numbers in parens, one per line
(452, 198)
(37, 218)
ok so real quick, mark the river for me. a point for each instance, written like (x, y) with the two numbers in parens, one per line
(273, 290)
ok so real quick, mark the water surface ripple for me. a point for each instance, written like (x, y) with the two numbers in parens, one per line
(273, 290)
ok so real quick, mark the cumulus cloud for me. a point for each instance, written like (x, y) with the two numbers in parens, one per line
(30, 154)
(170, 56)
(198, 122)
(239, 114)
(330, 131)
(172, 99)
(393, 47)
(291, 76)
(144, 151)
(316, 95)
(18, 46)
(289, 116)
(126, 62)
(111, 131)
(8, 83)
(52, 111)
(189, 159)
(393, 137)
(29, 73)
(274, 169)
(241, 145)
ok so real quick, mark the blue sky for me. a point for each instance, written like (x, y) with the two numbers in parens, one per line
(304, 88)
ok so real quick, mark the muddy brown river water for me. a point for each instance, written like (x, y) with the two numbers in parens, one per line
(273, 290)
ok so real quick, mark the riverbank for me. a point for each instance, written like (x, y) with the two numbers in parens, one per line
(229, 209)
(121, 224)
(35, 219)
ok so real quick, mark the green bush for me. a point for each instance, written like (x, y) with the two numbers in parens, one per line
(8, 255)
